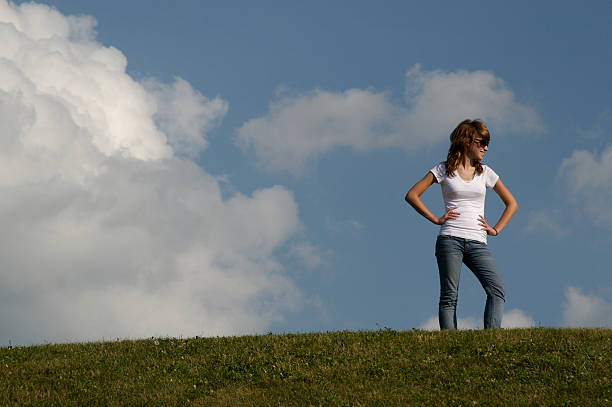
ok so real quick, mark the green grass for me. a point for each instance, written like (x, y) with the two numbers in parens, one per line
(494, 367)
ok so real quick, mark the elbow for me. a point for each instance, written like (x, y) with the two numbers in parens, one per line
(409, 197)
(513, 206)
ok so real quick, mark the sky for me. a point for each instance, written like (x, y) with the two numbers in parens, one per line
(205, 168)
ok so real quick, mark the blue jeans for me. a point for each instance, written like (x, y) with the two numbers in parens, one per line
(451, 252)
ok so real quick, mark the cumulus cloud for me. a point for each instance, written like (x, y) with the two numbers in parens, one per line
(581, 310)
(586, 174)
(514, 318)
(299, 128)
(184, 114)
(109, 230)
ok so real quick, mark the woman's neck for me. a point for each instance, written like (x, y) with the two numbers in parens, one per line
(467, 163)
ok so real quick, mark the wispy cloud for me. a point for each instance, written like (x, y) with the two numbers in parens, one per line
(297, 129)
(343, 225)
(549, 222)
(109, 230)
(311, 255)
(599, 128)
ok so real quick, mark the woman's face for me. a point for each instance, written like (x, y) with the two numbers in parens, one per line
(478, 148)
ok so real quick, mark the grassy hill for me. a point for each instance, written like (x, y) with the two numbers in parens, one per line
(495, 367)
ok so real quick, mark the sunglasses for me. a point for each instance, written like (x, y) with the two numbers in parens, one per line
(483, 142)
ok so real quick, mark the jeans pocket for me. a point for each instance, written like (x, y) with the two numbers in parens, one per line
(443, 242)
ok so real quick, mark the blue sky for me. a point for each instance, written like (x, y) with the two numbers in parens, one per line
(311, 121)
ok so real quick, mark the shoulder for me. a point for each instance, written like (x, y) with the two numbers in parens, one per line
(439, 171)
(487, 170)
(441, 166)
(490, 176)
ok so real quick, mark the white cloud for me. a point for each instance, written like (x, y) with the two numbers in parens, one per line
(185, 115)
(108, 229)
(431, 324)
(581, 310)
(298, 129)
(514, 318)
(590, 175)
(311, 255)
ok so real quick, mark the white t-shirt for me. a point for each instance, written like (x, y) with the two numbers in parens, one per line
(468, 197)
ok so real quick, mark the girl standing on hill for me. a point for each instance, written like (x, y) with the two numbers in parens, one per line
(464, 230)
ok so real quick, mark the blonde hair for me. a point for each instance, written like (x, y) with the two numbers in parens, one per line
(461, 138)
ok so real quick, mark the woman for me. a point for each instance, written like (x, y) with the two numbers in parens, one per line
(463, 228)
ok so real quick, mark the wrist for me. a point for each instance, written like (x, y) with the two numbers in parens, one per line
(496, 232)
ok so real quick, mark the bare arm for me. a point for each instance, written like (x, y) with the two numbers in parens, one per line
(413, 197)
(511, 208)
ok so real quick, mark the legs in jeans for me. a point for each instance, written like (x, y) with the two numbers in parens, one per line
(451, 252)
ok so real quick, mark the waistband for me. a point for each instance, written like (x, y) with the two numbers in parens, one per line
(461, 239)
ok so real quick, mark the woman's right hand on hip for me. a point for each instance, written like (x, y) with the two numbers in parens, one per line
(450, 214)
